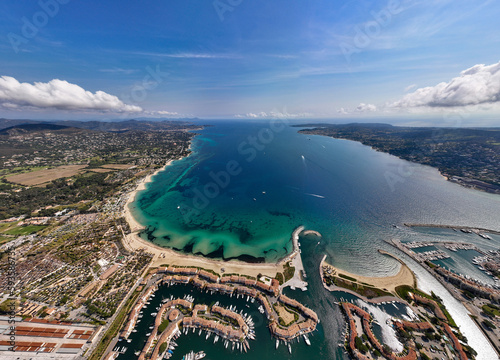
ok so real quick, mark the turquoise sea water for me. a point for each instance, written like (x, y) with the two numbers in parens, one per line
(348, 192)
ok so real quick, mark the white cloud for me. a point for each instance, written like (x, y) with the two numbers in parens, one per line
(274, 115)
(58, 94)
(410, 87)
(477, 85)
(362, 107)
(165, 113)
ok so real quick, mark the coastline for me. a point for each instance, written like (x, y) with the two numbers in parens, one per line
(388, 283)
(451, 290)
(135, 226)
(468, 183)
(455, 227)
(162, 256)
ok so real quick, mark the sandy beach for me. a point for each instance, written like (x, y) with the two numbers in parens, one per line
(167, 256)
(404, 277)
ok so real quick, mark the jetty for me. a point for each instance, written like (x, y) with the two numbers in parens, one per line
(297, 281)
(466, 229)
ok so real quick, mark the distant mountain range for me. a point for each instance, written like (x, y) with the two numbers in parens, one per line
(28, 128)
(114, 126)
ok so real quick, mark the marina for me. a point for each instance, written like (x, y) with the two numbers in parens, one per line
(207, 341)
(352, 244)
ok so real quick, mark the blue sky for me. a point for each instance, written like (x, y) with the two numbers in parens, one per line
(255, 58)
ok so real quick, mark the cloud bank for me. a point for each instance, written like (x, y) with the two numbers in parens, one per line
(362, 107)
(477, 85)
(274, 115)
(58, 94)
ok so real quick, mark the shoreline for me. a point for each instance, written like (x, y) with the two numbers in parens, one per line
(452, 291)
(161, 255)
(455, 227)
(387, 283)
(467, 183)
(135, 226)
(376, 300)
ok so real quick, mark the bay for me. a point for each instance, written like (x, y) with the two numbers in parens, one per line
(280, 179)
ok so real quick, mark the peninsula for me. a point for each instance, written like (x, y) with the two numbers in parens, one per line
(469, 157)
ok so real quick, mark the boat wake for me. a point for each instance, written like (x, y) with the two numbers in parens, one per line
(315, 195)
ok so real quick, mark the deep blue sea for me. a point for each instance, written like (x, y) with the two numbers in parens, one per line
(248, 185)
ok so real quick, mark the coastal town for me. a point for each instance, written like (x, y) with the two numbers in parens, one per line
(235, 329)
(85, 276)
(71, 268)
(481, 299)
(426, 329)
(69, 280)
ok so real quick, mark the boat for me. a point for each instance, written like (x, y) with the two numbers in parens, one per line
(484, 236)
(277, 343)
(200, 355)
(289, 348)
(306, 339)
(148, 334)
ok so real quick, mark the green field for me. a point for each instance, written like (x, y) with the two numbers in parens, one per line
(24, 230)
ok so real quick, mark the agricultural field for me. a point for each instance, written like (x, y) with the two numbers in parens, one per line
(44, 176)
